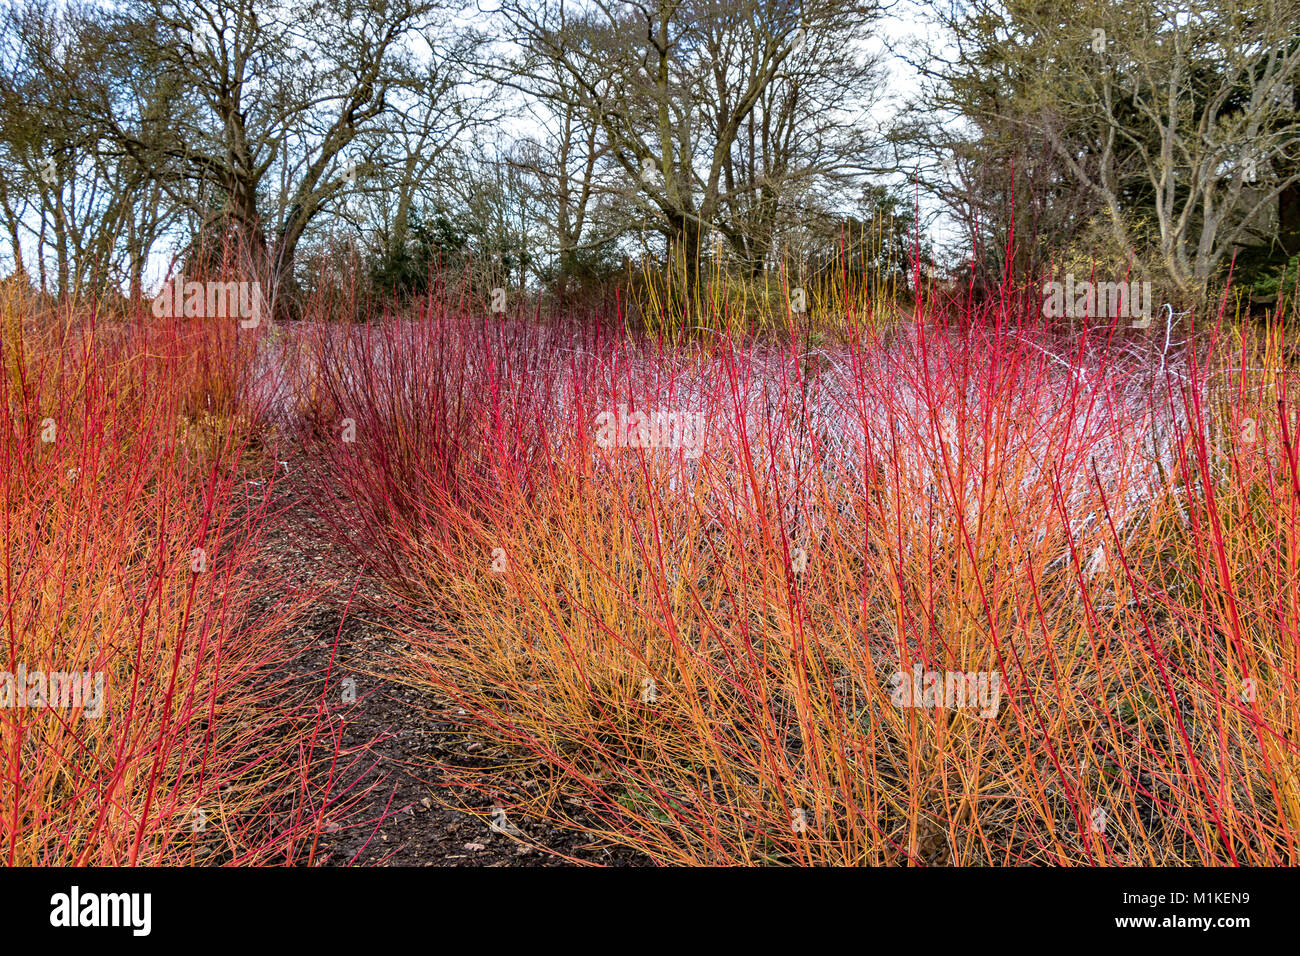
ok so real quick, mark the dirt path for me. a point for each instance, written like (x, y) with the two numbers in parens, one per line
(407, 815)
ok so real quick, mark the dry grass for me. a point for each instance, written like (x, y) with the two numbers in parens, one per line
(699, 653)
(133, 555)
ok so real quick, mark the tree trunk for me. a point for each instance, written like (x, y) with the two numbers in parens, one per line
(684, 252)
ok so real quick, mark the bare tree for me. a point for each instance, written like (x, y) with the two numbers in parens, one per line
(671, 85)
(81, 206)
(263, 101)
(1176, 120)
